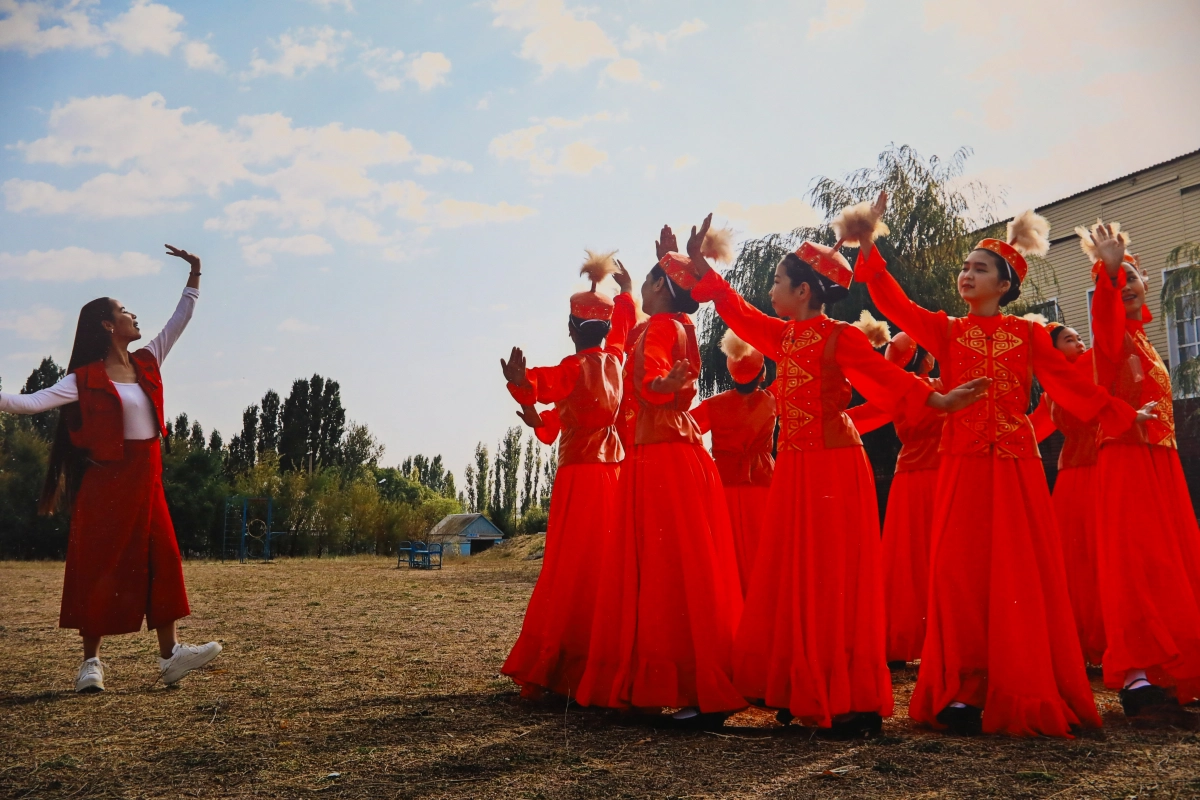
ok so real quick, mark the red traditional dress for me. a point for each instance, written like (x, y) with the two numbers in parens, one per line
(670, 599)
(1000, 634)
(812, 634)
(585, 388)
(1076, 510)
(908, 523)
(743, 427)
(1147, 544)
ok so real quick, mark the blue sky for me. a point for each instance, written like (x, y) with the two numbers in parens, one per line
(394, 193)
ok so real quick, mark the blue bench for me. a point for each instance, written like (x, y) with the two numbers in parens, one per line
(422, 556)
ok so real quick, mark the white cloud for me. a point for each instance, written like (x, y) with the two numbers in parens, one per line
(429, 70)
(146, 27)
(327, 4)
(384, 68)
(300, 51)
(199, 55)
(75, 264)
(637, 38)
(557, 37)
(37, 324)
(626, 70)
(771, 217)
(575, 158)
(683, 162)
(294, 325)
(454, 213)
(261, 252)
(838, 14)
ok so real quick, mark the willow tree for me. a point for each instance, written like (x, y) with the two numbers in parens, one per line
(1180, 296)
(934, 215)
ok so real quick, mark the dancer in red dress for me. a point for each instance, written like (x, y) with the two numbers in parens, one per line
(742, 421)
(670, 597)
(1001, 652)
(908, 524)
(811, 643)
(123, 563)
(1148, 553)
(1074, 494)
(585, 388)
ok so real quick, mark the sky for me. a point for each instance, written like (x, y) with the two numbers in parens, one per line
(392, 194)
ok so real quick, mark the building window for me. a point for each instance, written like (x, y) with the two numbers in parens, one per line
(1050, 310)
(1183, 326)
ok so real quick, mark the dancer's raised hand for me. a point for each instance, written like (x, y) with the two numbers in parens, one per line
(514, 369)
(1109, 247)
(880, 206)
(530, 416)
(673, 381)
(193, 261)
(667, 243)
(959, 397)
(695, 247)
(621, 276)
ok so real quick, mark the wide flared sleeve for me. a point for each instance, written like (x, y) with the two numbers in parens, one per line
(60, 394)
(161, 345)
(764, 333)
(547, 384)
(623, 318)
(868, 417)
(930, 329)
(1108, 315)
(703, 419)
(657, 352)
(880, 381)
(1073, 392)
(1043, 425)
(551, 427)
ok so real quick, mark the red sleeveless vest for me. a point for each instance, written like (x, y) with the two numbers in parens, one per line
(813, 392)
(589, 413)
(743, 427)
(100, 428)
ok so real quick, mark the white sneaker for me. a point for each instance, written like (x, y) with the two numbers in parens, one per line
(91, 676)
(185, 658)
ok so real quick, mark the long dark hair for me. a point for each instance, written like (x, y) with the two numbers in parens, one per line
(65, 470)
(681, 298)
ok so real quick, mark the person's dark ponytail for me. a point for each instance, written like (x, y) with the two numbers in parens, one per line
(65, 470)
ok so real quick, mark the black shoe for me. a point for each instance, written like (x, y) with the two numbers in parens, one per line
(784, 717)
(860, 725)
(1145, 698)
(965, 721)
(1153, 706)
(897, 665)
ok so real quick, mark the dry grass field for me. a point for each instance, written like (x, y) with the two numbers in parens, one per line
(350, 678)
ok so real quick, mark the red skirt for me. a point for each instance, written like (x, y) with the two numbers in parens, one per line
(907, 531)
(123, 562)
(1075, 509)
(670, 598)
(747, 510)
(1148, 559)
(551, 652)
(1000, 634)
(812, 633)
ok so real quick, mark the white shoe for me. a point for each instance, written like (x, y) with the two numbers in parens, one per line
(91, 676)
(185, 658)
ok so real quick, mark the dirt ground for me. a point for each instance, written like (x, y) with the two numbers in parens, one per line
(350, 678)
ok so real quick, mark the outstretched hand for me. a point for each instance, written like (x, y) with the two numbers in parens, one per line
(1109, 246)
(667, 243)
(673, 381)
(695, 246)
(193, 261)
(530, 416)
(514, 369)
(621, 276)
(880, 206)
(1147, 412)
(959, 397)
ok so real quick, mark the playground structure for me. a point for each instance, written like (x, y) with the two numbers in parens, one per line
(247, 532)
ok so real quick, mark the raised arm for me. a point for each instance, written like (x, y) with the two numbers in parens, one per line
(1081, 397)
(161, 345)
(539, 384)
(931, 329)
(764, 333)
(622, 323)
(61, 393)
(881, 382)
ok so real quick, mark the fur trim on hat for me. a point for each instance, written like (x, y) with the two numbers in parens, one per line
(1029, 234)
(1033, 316)
(1087, 242)
(877, 331)
(598, 266)
(733, 346)
(718, 245)
(857, 225)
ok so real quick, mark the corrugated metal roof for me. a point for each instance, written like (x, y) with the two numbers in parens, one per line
(1118, 180)
(457, 524)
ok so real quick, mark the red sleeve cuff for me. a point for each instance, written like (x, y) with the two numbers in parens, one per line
(710, 287)
(525, 397)
(870, 267)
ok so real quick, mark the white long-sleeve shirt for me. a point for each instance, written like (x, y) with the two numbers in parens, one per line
(137, 409)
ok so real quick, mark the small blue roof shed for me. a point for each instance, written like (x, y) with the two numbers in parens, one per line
(469, 534)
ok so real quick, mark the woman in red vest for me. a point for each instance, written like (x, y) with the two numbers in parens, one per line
(123, 562)
(1001, 652)
(670, 597)
(1148, 553)
(742, 421)
(811, 642)
(585, 388)
(1074, 494)
(908, 524)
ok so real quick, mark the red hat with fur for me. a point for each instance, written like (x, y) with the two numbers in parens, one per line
(593, 304)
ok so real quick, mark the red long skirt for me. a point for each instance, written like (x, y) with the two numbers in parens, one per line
(1077, 514)
(1148, 552)
(1000, 634)
(670, 596)
(123, 562)
(812, 633)
(551, 652)
(907, 532)
(747, 512)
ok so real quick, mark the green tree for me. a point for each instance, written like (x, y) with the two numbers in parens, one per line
(46, 375)
(268, 422)
(1180, 290)
(23, 458)
(312, 424)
